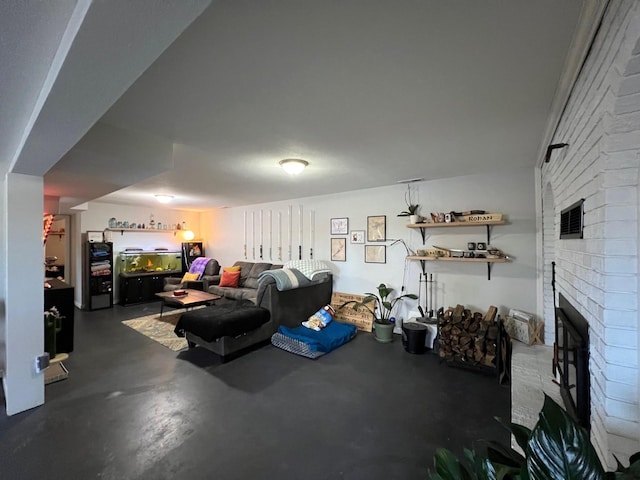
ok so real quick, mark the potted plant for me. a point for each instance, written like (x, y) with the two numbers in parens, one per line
(412, 213)
(412, 208)
(381, 306)
(52, 325)
(557, 447)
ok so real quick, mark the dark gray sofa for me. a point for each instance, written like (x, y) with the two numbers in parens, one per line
(247, 285)
(287, 307)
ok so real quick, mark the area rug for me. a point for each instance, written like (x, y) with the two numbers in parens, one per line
(160, 329)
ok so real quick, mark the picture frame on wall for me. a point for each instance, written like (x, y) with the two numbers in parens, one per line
(357, 236)
(340, 226)
(339, 249)
(375, 254)
(377, 228)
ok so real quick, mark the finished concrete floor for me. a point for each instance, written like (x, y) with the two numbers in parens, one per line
(133, 409)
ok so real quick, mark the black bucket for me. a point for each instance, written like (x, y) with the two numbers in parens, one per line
(414, 337)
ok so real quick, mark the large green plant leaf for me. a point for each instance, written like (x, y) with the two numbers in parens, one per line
(560, 449)
(448, 467)
(520, 432)
(483, 469)
(503, 455)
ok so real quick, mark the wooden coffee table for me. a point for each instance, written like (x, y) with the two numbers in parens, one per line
(193, 298)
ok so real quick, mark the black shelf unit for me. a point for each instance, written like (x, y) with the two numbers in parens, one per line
(98, 273)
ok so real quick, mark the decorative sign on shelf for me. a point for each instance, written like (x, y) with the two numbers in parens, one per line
(486, 217)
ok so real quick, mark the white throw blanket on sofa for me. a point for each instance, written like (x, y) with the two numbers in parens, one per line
(286, 278)
(309, 268)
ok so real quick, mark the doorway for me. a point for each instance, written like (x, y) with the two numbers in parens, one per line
(57, 251)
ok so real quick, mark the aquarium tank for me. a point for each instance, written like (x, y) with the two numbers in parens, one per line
(145, 261)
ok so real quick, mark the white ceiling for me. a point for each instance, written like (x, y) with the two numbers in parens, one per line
(370, 92)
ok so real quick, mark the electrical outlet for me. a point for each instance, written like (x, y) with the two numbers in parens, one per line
(42, 362)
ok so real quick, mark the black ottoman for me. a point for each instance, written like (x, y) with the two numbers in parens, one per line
(225, 329)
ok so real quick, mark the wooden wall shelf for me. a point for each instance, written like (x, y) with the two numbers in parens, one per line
(424, 226)
(456, 259)
(488, 224)
(142, 230)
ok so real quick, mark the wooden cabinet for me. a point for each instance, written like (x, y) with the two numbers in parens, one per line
(142, 287)
(424, 227)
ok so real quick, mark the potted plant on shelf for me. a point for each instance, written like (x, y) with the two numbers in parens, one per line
(412, 208)
(381, 306)
(412, 213)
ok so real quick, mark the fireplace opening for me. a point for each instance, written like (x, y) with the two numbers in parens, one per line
(571, 361)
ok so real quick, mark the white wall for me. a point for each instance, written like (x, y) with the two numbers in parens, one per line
(512, 284)
(96, 218)
(23, 294)
(599, 273)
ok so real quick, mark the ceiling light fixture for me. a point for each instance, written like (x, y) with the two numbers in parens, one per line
(293, 166)
(164, 198)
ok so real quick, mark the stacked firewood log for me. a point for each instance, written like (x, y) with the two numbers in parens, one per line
(469, 337)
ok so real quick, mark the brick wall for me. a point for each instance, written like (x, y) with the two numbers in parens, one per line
(599, 273)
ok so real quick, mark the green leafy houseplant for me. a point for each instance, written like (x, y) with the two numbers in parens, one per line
(52, 325)
(556, 448)
(383, 305)
(411, 210)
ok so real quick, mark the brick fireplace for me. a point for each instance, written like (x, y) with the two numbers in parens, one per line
(597, 275)
(571, 361)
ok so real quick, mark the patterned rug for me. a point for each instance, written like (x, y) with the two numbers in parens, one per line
(160, 329)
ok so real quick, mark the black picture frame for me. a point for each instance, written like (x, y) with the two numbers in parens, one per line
(340, 226)
(338, 249)
(377, 228)
(375, 254)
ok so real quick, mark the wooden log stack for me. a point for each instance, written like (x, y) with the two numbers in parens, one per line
(469, 337)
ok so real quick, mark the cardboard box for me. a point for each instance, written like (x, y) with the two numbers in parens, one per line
(361, 318)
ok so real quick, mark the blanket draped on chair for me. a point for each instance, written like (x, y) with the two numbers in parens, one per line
(198, 266)
(286, 278)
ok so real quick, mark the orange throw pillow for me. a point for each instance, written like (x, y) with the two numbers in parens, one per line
(230, 279)
(231, 269)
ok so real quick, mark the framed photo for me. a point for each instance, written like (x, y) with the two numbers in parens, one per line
(357, 236)
(339, 226)
(339, 249)
(377, 228)
(375, 254)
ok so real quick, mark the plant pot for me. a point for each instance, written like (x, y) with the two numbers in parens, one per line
(415, 218)
(383, 332)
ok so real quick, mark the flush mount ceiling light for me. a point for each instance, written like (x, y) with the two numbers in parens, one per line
(293, 166)
(164, 198)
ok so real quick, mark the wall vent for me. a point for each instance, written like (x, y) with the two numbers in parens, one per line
(571, 221)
